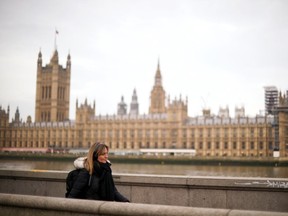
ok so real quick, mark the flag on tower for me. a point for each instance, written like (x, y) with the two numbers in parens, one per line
(55, 38)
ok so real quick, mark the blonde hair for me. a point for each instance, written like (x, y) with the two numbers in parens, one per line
(95, 150)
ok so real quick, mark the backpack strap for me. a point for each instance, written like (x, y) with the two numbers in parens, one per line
(90, 179)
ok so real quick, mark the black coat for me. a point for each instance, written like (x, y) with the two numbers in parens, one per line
(84, 189)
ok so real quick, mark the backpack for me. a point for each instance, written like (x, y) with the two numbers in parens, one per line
(70, 180)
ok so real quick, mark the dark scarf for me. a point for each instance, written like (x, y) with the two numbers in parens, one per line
(106, 183)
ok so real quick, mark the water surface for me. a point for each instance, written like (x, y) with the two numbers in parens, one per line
(161, 169)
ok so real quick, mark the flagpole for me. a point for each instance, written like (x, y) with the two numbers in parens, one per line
(55, 39)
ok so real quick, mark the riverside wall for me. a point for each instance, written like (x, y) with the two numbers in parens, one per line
(26, 205)
(252, 194)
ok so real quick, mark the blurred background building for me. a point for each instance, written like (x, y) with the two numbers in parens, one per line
(166, 126)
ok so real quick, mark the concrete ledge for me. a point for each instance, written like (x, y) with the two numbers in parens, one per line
(271, 184)
(37, 205)
(259, 194)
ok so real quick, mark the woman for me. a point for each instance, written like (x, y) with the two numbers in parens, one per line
(95, 179)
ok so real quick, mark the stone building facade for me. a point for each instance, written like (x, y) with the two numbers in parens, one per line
(52, 90)
(167, 125)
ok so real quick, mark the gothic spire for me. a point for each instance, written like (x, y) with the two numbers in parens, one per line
(134, 106)
(39, 58)
(68, 63)
(158, 77)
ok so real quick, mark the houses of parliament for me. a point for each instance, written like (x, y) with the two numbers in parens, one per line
(166, 126)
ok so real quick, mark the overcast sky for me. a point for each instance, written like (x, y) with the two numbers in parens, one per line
(217, 53)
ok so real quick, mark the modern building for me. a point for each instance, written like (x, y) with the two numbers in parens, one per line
(271, 99)
(166, 126)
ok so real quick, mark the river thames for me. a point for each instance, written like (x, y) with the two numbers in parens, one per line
(155, 169)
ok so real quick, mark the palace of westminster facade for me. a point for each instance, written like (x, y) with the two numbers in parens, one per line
(166, 126)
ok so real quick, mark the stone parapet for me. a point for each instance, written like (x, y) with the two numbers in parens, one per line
(260, 194)
(38, 205)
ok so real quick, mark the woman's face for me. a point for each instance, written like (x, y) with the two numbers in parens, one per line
(103, 156)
